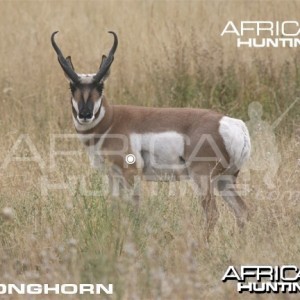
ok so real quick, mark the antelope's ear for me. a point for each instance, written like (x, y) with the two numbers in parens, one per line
(104, 57)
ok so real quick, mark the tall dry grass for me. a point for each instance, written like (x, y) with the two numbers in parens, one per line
(170, 54)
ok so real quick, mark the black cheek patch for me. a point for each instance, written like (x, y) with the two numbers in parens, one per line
(72, 88)
(99, 88)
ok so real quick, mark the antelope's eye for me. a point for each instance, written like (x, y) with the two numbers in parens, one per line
(72, 88)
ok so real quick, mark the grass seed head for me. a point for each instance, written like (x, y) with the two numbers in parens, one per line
(8, 213)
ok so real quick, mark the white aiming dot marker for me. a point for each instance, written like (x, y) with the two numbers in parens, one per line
(130, 159)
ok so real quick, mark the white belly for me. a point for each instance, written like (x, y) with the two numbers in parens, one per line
(159, 154)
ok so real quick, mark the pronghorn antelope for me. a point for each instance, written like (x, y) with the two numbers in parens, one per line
(168, 143)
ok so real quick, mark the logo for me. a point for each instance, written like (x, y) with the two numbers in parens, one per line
(62, 289)
(265, 279)
(262, 34)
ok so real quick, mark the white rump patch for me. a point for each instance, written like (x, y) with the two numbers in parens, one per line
(237, 141)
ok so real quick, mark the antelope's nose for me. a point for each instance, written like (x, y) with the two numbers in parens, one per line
(85, 114)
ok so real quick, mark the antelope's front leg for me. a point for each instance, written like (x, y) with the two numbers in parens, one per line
(132, 183)
(125, 180)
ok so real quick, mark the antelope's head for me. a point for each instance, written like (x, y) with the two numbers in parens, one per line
(86, 89)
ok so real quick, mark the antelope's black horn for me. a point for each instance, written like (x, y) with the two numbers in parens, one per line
(108, 61)
(63, 62)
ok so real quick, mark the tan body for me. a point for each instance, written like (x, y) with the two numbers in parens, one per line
(126, 120)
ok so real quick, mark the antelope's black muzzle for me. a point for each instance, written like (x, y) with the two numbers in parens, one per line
(85, 114)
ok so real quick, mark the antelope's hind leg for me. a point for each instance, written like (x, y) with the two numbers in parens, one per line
(201, 175)
(227, 189)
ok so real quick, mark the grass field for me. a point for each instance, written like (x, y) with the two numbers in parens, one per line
(170, 54)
